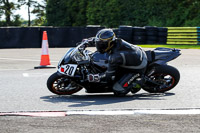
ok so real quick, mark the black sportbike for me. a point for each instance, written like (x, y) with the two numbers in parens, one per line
(78, 62)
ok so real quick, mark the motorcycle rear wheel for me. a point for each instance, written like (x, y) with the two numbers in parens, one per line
(166, 76)
(59, 85)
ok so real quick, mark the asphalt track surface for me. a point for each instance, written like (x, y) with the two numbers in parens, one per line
(23, 89)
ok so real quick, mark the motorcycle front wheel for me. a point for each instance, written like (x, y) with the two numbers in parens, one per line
(60, 85)
(164, 79)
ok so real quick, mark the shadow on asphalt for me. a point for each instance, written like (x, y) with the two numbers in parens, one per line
(102, 99)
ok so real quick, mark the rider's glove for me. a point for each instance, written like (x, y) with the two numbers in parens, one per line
(89, 42)
(85, 45)
(93, 78)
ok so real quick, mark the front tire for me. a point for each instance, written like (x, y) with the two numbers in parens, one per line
(166, 76)
(60, 85)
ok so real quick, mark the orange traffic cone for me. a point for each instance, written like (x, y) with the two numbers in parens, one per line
(45, 60)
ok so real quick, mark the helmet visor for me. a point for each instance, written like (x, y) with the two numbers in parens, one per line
(101, 46)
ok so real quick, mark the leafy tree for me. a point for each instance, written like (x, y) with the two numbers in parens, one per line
(40, 11)
(104, 12)
(7, 7)
(29, 4)
(80, 17)
(66, 12)
(112, 13)
(56, 15)
(95, 12)
(193, 17)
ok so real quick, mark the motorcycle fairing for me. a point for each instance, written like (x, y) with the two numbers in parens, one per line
(162, 55)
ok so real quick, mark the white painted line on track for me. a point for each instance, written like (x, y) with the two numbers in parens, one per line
(12, 69)
(35, 114)
(169, 112)
(105, 112)
(135, 112)
(22, 59)
(25, 75)
(100, 112)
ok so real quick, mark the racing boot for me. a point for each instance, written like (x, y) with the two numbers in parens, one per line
(137, 85)
(124, 85)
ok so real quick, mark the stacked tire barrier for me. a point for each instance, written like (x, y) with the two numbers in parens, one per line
(31, 37)
(143, 35)
(139, 35)
(126, 33)
(152, 35)
(162, 35)
(183, 35)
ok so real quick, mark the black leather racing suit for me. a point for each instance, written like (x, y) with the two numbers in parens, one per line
(125, 56)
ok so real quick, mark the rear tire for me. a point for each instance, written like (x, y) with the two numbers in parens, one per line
(60, 85)
(167, 76)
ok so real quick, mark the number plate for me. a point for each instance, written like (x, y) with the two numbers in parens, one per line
(68, 69)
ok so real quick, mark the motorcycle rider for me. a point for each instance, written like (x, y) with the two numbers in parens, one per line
(123, 56)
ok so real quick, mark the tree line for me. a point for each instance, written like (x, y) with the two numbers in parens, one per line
(8, 7)
(109, 13)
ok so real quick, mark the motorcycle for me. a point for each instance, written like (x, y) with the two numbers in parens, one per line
(79, 62)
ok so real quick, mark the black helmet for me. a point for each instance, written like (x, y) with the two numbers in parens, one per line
(103, 40)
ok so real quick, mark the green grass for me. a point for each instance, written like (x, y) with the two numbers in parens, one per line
(171, 46)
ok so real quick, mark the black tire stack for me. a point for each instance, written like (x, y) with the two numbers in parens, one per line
(152, 34)
(116, 31)
(162, 35)
(139, 35)
(142, 35)
(125, 32)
